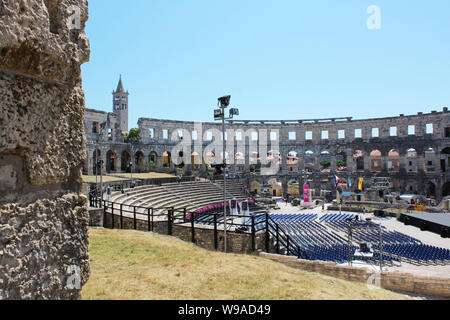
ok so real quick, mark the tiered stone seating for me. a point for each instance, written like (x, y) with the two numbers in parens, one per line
(189, 195)
(234, 187)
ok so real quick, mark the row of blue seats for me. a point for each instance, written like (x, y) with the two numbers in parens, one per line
(418, 252)
(336, 217)
(316, 229)
(304, 237)
(340, 254)
(294, 217)
(373, 235)
(337, 253)
(321, 244)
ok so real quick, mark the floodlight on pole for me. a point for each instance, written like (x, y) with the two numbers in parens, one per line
(224, 102)
(219, 114)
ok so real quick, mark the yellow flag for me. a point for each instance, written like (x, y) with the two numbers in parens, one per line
(360, 185)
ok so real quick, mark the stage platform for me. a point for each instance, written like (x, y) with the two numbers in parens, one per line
(435, 222)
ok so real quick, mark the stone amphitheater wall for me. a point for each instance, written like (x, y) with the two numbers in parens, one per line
(43, 215)
(412, 174)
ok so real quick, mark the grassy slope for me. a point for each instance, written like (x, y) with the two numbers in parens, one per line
(138, 265)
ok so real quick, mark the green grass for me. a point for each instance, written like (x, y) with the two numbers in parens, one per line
(138, 265)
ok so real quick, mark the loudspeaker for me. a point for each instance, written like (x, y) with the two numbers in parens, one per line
(363, 247)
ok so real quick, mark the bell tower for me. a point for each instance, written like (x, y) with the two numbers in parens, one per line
(120, 105)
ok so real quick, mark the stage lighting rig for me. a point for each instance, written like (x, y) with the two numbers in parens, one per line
(219, 114)
(224, 102)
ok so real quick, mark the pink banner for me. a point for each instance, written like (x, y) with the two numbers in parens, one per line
(306, 193)
(215, 206)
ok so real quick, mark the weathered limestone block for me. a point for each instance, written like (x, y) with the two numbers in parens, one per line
(43, 216)
(41, 123)
(40, 244)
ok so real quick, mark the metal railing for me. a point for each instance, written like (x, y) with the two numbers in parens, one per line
(258, 222)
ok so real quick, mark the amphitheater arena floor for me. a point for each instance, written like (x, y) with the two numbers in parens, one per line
(429, 238)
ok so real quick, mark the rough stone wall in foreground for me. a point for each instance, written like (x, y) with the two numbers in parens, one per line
(43, 216)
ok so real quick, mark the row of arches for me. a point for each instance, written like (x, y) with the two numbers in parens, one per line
(275, 187)
(325, 161)
(125, 161)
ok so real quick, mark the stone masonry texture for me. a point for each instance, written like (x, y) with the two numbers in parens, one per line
(43, 215)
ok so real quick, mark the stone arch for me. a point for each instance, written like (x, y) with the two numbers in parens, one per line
(292, 161)
(325, 161)
(153, 159)
(167, 159)
(255, 162)
(273, 155)
(411, 160)
(375, 161)
(309, 160)
(293, 187)
(393, 161)
(430, 190)
(195, 160)
(239, 160)
(254, 157)
(139, 160)
(276, 189)
(358, 157)
(445, 159)
(430, 159)
(125, 161)
(446, 189)
(110, 164)
(341, 161)
(411, 188)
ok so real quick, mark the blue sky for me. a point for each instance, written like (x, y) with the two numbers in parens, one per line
(286, 59)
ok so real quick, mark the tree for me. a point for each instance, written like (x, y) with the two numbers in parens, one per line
(133, 135)
(341, 163)
(326, 163)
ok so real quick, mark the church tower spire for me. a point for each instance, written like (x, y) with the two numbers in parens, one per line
(120, 105)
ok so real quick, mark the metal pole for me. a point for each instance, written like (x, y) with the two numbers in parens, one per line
(381, 251)
(349, 245)
(96, 171)
(193, 229)
(253, 233)
(224, 183)
(215, 232)
(121, 215)
(101, 180)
